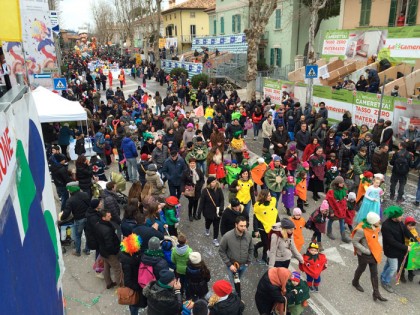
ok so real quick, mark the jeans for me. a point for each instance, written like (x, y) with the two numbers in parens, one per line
(389, 270)
(241, 271)
(134, 310)
(175, 191)
(342, 227)
(418, 191)
(132, 168)
(257, 128)
(79, 226)
(158, 108)
(395, 179)
(203, 166)
(277, 195)
(247, 207)
(64, 195)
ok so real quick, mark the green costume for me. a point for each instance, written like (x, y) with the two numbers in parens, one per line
(232, 173)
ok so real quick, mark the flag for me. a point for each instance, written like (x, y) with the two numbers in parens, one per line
(10, 25)
(199, 111)
(413, 261)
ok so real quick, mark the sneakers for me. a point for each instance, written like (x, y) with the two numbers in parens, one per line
(312, 289)
(76, 254)
(207, 233)
(99, 275)
(387, 287)
(316, 289)
(87, 252)
(216, 242)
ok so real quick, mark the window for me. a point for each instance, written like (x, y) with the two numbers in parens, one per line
(236, 23)
(192, 30)
(222, 25)
(214, 27)
(192, 14)
(365, 12)
(402, 12)
(275, 57)
(278, 19)
(174, 16)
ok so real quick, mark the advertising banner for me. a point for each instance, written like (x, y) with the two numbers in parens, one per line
(235, 43)
(397, 44)
(366, 108)
(191, 67)
(274, 89)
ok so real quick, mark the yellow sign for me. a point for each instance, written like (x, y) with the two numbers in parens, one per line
(162, 43)
(138, 59)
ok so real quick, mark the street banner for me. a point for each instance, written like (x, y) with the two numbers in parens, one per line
(397, 44)
(30, 245)
(234, 43)
(162, 43)
(413, 261)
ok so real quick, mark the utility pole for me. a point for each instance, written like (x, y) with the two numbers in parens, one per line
(52, 7)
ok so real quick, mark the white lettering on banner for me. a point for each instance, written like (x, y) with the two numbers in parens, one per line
(7, 155)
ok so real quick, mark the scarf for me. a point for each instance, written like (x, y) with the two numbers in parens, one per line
(154, 252)
(195, 177)
(339, 194)
(279, 277)
(165, 286)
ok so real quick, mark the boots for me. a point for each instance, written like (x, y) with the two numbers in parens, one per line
(375, 284)
(329, 233)
(320, 248)
(345, 238)
(402, 278)
(357, 286)
(357, 274)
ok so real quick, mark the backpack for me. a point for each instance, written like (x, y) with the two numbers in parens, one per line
(146, 275)
(401, 164)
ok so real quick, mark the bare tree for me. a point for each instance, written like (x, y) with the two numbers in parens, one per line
(127, 11)
(259, 14)
(154, 8)
(104, 18)
(314, 9)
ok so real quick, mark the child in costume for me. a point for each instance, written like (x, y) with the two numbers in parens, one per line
(232, 172)
(180, 256)
(317, 222)
(170, 212)
(288, 196)
(314, 264)
(257, 173)
(297, 302)
(332, 161)
(237, 146)
(365, 181)
(351, 210)
(301, 189)
(299, 222)
(410, 223)
(330, 175)
(371, 201)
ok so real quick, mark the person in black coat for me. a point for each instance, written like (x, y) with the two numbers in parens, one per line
(142, 168)
(279, 139)
(231, 304)
(60, 176)
(153, 256)
(192, 177)
(84, 174)
(146, 232)
(92, 218)
(197, 275)
(271, 289)
(346, 123)
(211, 203)
(234, 210)
(110, 198)
(109, 247)
(79, 147)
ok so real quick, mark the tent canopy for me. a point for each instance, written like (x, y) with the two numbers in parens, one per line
(52, 107)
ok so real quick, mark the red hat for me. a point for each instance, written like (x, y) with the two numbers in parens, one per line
(409, 220)
(367, 174)
(222, 288)
(144, 157)
(107, 136)
(172, 200)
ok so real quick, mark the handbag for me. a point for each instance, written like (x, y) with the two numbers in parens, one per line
(189, 191)
(127, 296)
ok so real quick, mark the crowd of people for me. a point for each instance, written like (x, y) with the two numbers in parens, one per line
(166, 154)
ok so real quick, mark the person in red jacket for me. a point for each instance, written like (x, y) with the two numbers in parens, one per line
(314, 264)
(292, 159)
(257, 117)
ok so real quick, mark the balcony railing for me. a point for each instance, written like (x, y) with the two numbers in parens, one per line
(187, 38)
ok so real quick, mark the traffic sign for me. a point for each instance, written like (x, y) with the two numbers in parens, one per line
(60, 84)
(42, 76)
(311, 71)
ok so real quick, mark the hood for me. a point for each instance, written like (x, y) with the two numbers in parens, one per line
(228, 305)
(126, 140)
(157, 293)
(150, 173)
(195, 271)
(229, 208)
(150, 260)
(181, 250)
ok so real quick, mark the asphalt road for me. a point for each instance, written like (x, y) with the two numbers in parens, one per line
(86, 294)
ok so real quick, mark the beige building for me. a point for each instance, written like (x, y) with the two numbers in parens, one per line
(374, 13)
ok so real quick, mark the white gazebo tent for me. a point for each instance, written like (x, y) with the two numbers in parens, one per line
(52, 107)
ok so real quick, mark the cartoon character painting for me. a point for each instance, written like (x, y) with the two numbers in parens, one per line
(42, 34)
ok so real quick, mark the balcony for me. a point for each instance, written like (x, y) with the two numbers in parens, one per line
(187, 38)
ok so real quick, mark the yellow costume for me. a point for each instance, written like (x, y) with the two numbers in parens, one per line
(266, 214)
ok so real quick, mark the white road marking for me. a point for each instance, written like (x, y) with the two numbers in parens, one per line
(349, 247)
(333, 255)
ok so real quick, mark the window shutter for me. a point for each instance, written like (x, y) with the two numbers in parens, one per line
(272, 57)
(233, 23)
(278, 19)
(392, 13)
(412, 12)
(365, 12)
(222, 25)
(278, 61)
(239, 24)
(214, 27)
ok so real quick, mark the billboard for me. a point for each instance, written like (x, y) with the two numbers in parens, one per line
(397, 44)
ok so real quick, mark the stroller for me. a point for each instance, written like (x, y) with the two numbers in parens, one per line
(66, 231)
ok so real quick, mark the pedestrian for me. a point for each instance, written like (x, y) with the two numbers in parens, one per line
(172, 170)
(211, 205)
(130, 258)
(191, 186)
(79, 147)
(243, 190)
(128, 223)
(153, 179)
(155, 217)
(130, 153)
(236, 249)
(77, 205)
(302, 139)
(317, 172)
(200, 152)
(371, 201)
(164, 295)
(84, 174)
(292, 159)
(121, 78)
(267, 131)
(297, 302)
(313, 265)
(410, 223)
(271, 291)
(299, 222)
(301, 189)
(365, 239)
(282, 244)
(154, 257)
(275, 178)
(180, 255)
(317, 222)
(170, 213)
(377, 131)
(265, 216)
(394, 233)
(380, 159)
(98, 168)
(110, 198)
(146, 232)
(197, 277)
(64, 138)
(288, 194)
(360, 165)
(60, 176)
(224, 301)
(280, 139)
(401, 162)
(109, 247)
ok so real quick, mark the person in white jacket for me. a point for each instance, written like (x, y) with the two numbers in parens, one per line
(267, 131)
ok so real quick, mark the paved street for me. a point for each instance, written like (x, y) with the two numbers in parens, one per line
(336, 297)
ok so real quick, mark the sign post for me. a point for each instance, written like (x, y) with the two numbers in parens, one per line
(311, 73)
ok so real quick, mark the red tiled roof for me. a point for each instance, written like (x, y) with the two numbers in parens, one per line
(192, 4)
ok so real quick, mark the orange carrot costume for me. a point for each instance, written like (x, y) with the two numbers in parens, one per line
(301, 188)
(372, 237)
(365, 182)
(298, 232)
(257, 173)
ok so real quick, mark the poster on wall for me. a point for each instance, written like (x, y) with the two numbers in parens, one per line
(274, 90)
(367, 107)
(397, 44)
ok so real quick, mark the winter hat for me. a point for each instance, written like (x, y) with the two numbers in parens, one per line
(234, 162)
(200, 308)
(380, 176)
(287, 224)
(234, 202)
(94, 203)
(276, 158)
(290, 179)
(346, 141)
(190, 125)
(367, 174)
(324, 205)
(73, 187)
(295, 276)
(305, 164)
(393, 212)
(154, 243)
(195, 258)
(131, 244)
(152, 167)
(351, 196)
(166, 276)
(409, 220)
(297, 211)
(260, 160)
(292, 147)
(144, 157)
(372, 218)
(222, 288)
(172, 200)
(338, 180)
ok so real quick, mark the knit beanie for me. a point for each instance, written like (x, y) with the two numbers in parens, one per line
(260, 160)
(297, 211)
(166, 276)
(154, 243)
(351, 196)
(210, 180)
(222, 288)
(393, 212)
(372, 218)
(295, 276)
(94, 203)
(324, 205)
(287, 224)
(195, 258)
